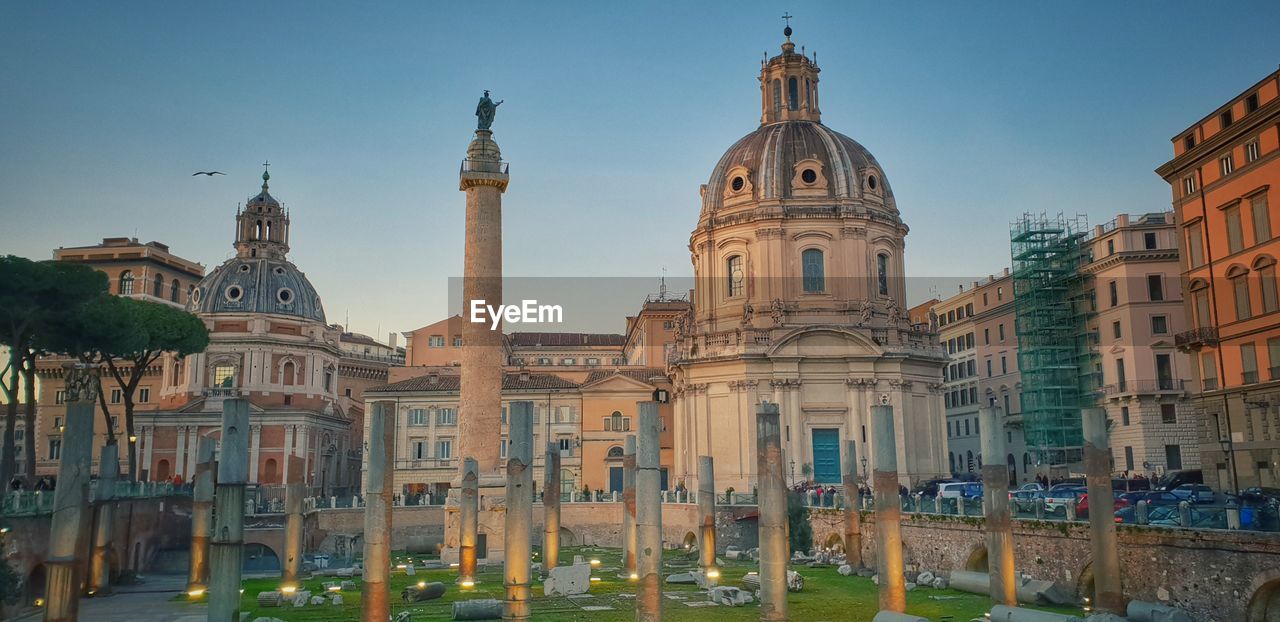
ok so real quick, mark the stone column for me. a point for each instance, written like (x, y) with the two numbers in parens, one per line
(995, 492)
(1108, 594)
(295, 491)
(227, 544)
(629, 507)
(774, 546)
(648, 551)
(108, 472)
(852, 505)
(707, 518)
(484, 179)
(551, 507)
(889, 563)
(469, 516)
(201, 517)
(375, 601)
(71, 497)
(518, 525)
(255, 449)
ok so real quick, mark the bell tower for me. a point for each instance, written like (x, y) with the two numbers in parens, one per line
(262, 227)
(789, 85)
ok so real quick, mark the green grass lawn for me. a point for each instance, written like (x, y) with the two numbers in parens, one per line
(827, 596)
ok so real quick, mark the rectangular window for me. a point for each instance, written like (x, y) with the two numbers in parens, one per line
(1000, 329)
(419, 450)
(1243, 309)
(1172, 457)
(1164, 372)
(973, 368)
(1203, 318)
(1168, 413)
(55, 448)
(116, 396)
(973, 395)
(1113, 293)
(1149, 240)
(988, 368)
(444, 449)
(115, 422)
(1120, 375)
(1128, 458)
(1006, 405)
(1115, 329)
(1251, 151)
(1235, 236)
(946, 399)
(144, 395)
(1124, 415)
(447, 416)
(986, 336)
(1155, 287)
(968, 341)
(1159, 325)
(1261, 218)
(60, 397)
(1227, 164)
(1226, 119)
(1189, 142)
(457, 341)
(1273, 357)
(1111, 247)
(1251, 103)
(1267, 283)
(568, 361)
(1004, 365)
(57, 423)
(417, 416)
(1248, 363)
(1208, 371)
(999, 293)
(1188, 185)
(593, 361)
(1195, 245)
(435, 341)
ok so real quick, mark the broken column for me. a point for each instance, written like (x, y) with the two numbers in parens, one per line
(518, 523)
(201, 516)
(852, 516)
(774, 547)
(71, 497)
(295, 491)
(551, 507)
(889, 562)
(707, 518)
(999, 521)
(1108, 596)
(629, 507)
(469, 522)
(227, 544)
(108, 471)
(375, 598)
(648, 504)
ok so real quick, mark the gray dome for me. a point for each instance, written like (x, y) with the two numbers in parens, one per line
(257, 285)
(770, 155)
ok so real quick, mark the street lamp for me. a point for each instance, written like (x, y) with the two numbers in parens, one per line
(864, 467)
(1228, 449)
(792, 470)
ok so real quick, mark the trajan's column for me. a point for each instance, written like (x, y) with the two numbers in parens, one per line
(484, 179)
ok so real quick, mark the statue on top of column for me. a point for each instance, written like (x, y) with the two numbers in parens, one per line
(485, 111)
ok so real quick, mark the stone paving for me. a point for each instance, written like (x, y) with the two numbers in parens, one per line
(152, 601)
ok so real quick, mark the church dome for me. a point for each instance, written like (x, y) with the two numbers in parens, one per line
(257, 285)
(792, 159)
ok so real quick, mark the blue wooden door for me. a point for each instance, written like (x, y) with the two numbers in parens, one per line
(615, 479)
(826, 455)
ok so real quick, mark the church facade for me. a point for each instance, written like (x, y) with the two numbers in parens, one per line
(800, 300)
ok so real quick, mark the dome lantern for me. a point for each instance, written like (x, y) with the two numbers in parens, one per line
(789, 86)
(262, 227)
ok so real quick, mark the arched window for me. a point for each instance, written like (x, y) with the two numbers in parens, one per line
(969, 461)
(270, 472)
(191, 289)
(173, 291)
(951, 457)
(814, 282)
(777, 95)
(177, 373)
(736, 278)
(793, 94)
(162, 471)
(1026, 463)
(257, 234)
(269, 230)
(616, 421)
(125, 288)
(615, 453)
(882, 273)
(287, 373)
(1265, 266)
(157, 290)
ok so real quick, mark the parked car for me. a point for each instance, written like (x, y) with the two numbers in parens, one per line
(972, 490)
(1259, 495)
(951, 490)
(1161, 497)
(929, 487)
(1157, 513)
(1195, 493)
(1173, 479)
(1082, 505)
(1055, 499)
(1025, 500)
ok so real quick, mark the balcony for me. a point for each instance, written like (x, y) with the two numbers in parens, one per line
(1196, 338)
(1146, 387)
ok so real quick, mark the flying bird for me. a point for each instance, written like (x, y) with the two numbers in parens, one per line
(209, 173)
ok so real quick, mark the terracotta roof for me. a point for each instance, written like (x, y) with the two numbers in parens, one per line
(565, 339)
(453, 383)
(642, 374)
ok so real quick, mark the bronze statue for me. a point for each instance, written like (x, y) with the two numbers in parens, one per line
(485, 111)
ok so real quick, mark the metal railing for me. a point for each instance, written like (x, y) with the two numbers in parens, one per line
(37, 502)
(1159, 385)
(1196, 337)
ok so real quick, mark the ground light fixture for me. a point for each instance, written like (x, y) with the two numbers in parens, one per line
(196, 593)
(466, 585)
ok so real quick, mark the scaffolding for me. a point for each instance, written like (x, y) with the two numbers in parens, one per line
(1057, 337)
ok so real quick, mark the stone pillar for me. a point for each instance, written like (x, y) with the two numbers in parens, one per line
(295, 491)
(201, 517)
(1108, 594)
(852, 498)
(227, 545)
(629, 507)
(999, 521)
(707, 518)
(551, 507)
(375, 601)
(71, 497)
(255, 449)
(889, 563)
(484, 179)
(518, 523)
(774, 545)
(108, 472)
(648, 551)
(469, 515)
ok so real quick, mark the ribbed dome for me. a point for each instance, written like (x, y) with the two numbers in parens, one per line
(769, 157)
(257, 285)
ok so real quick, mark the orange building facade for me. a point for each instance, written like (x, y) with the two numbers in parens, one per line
(1225, 181)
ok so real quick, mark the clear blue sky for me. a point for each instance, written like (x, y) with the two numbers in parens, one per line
(614, 114)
